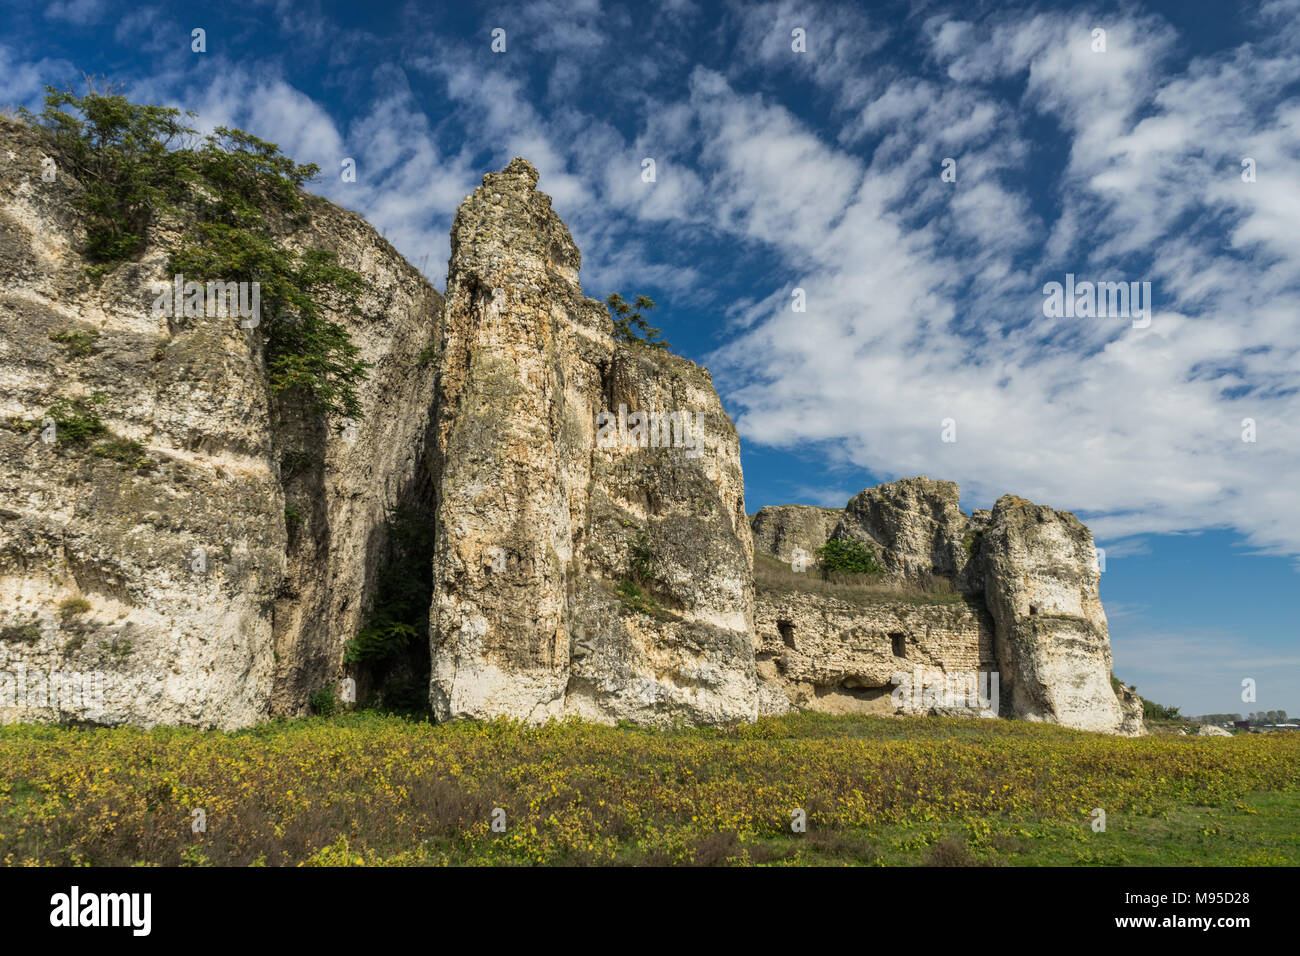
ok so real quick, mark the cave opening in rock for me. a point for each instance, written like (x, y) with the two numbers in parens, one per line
(786, 630)
(389, 655)
(898, 641)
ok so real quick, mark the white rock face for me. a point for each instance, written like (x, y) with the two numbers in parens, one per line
(605, 573)
(169, 585)
(1012, 592)
(917, 530)
(1132, 711)
(205, 558)
(880, 656)
(1041, 583)
(1209, 730)
(781, 530)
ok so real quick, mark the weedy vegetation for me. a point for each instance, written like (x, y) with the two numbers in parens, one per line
(365, 788)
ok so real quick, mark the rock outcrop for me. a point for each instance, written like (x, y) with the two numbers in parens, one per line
(781, 529)
(1006, 599)
(204, 559)
(205, 550)
(847, 654)
(593, 555)
(1041, 583)
(917, 528)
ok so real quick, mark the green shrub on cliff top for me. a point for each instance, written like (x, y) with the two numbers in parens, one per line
(135, 162)
(129, 159)
(839, 556)
(630, 324)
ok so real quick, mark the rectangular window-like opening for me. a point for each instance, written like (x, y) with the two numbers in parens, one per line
(899, 643)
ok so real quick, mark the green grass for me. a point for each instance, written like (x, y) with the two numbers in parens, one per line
(79, 342)
(364, 788)
(124, 451)
(775, 576)
(1261, 829)
(28, 633)
(72, 607)
(641, 600)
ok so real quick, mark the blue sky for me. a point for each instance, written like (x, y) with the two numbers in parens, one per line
(820, 170)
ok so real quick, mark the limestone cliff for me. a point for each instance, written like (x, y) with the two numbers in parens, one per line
(845, 653)
(781, 529)
(205, 548)
(1008, 599)
(1041, 584)
(917, 528)
(206, 556)
(593, 555)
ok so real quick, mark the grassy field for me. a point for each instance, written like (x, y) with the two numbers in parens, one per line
(369, 789)
(774, 575)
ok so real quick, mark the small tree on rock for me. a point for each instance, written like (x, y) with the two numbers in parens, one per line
(630, 324)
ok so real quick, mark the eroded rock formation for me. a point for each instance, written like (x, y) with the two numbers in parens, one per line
(210, 555)
(213, 576)
(1013, 592)
(780, 530)
(1041, 585)
(542, 513)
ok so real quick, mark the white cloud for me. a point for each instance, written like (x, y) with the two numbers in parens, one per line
(908, 325)
(551, 26)
(1202, 673)
(924, 297)
(76, 11)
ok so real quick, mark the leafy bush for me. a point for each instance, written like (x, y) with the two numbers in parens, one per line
(124, 451)
(325, 702)
(379, 640)
(75, 423)
(842, 556)
(635, 590)
(72, 607)
(1150, 709)
(634, 598)
(28, 633)
(304, 352)
(641, 558)
(1153, 711)
(136, 161)
(126, 157)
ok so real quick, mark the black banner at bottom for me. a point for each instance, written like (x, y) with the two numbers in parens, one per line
(936, 906)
